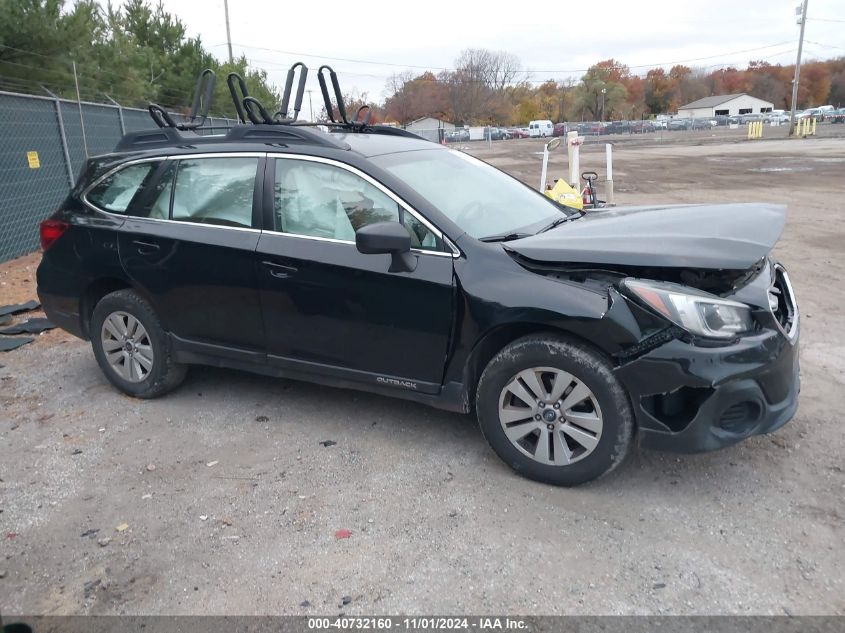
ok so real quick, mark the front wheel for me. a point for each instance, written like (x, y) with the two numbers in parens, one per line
(553, 410)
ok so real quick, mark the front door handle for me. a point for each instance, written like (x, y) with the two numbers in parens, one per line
(146, 248)
(279, 271)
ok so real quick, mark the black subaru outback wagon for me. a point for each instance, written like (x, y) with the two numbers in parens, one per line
(375, 260)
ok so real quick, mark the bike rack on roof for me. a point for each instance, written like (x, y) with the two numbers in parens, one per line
(199, 106)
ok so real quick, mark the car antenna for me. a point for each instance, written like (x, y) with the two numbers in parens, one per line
(203, 95)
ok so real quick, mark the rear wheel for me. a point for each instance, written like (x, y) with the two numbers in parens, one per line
(131, 347)
(553, 411)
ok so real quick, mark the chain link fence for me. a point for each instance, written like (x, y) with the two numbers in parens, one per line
(43, 147)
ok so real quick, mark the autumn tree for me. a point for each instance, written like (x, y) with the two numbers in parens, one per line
(412, 97)
(602, 91)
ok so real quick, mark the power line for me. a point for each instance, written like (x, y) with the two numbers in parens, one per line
(826, 45)
(554, 71)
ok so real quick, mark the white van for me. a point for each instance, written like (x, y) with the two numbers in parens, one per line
(540, 128)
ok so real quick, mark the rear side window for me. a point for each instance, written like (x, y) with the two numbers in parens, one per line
(214, 191)
(117, 192)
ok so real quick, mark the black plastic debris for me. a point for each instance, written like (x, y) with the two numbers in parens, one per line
(8, 344)
(328, 443)
(30, 326)
(19, 307)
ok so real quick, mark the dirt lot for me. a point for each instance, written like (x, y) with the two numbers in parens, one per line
(232, 503)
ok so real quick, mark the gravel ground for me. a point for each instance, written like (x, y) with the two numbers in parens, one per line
(221, 499)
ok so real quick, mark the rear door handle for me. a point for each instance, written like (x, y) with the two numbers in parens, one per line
(279, 271)
(146, 248)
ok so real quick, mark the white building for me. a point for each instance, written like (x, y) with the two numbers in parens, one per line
(724, 105)
(429, 123)
(430, 128)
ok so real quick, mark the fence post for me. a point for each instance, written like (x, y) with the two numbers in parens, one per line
(119, 115)
(62, 135)
(81, 118)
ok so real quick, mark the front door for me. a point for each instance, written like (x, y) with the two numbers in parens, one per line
(190, 247)
(328, 307)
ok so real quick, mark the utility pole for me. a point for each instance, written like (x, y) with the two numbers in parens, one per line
(603, 92)
(228, 33)
(802, 21)
(310, 105)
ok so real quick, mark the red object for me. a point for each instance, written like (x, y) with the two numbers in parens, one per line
(344, 533)
(587, 198)
(50, 231)
(10, 535)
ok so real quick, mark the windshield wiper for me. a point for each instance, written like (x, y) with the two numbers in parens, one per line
(558, 222)
(504, 237)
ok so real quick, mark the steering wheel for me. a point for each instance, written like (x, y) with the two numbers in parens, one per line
(468, 213)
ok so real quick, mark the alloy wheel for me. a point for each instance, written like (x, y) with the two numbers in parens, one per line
(127, 346)
(550, 415)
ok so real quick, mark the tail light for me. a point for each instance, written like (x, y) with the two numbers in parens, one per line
(50, 231)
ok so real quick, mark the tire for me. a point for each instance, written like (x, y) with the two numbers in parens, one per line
(588, 437)
(148, 369)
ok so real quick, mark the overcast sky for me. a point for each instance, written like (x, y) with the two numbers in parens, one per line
(552, 40)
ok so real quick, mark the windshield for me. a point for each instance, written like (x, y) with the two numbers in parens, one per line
(479, 198)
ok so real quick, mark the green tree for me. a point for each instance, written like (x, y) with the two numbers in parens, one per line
(602, 92)
(135, 53)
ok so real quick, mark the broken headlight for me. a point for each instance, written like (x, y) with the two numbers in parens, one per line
(699, 313)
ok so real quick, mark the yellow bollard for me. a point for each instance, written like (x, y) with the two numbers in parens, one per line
(814, 127)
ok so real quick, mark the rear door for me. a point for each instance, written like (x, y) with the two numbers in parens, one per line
(190, 247)
(332, 310)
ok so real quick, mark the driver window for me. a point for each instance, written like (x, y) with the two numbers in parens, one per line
(320, 200)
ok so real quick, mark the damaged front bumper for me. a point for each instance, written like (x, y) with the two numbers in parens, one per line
(691, 399)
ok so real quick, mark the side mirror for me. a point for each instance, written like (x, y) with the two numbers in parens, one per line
(387, 237)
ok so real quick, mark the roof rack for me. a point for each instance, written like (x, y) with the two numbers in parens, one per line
(279, 135)
(251, 110)
(199, 106)
(279, 128)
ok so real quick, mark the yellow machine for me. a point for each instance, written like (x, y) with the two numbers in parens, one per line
(564, 194)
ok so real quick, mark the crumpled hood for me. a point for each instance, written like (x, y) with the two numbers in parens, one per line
(726, 236)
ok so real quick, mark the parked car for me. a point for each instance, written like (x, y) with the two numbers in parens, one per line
(643, 127)
(618, 127)
(838, 116)
(591, 129)
(540, 128)
(371, 259)
(458, 135)
(679, 124)
(496, 133)
(519, 132)
(559, 129)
